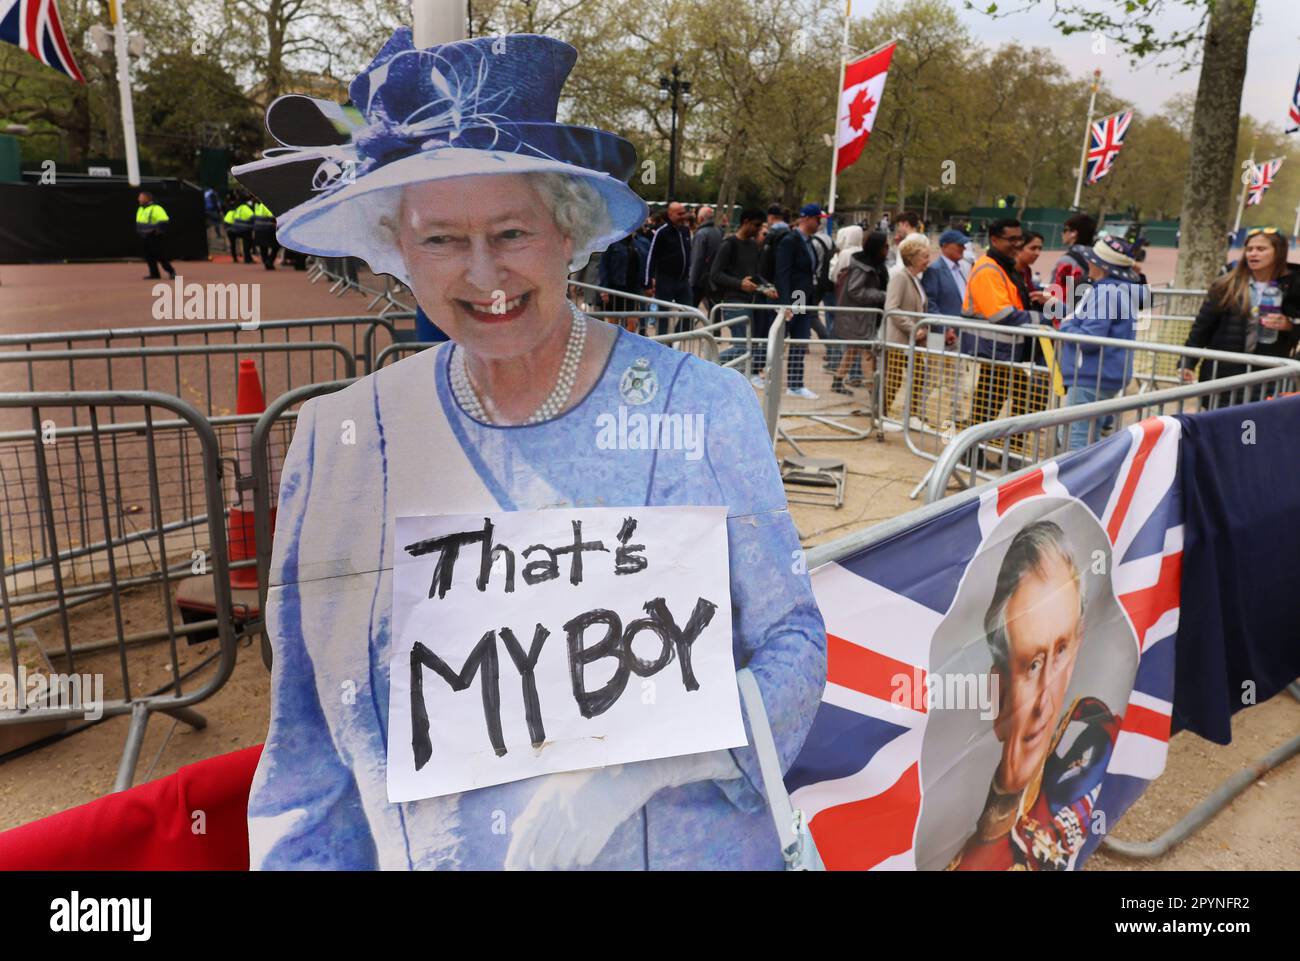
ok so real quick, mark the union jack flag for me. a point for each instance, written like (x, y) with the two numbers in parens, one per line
(1106, 136)
(1293, 113)
(1262, 179)
(34, 26)
(892, 785)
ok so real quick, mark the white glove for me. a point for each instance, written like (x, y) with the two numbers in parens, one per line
(568, 822)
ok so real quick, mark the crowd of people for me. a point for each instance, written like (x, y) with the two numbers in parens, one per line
(1095, 288)
(248, 224)
(773, 262)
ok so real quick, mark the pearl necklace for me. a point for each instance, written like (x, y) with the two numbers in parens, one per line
(555, 402)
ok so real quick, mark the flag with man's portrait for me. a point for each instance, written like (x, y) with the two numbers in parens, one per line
(873, 762)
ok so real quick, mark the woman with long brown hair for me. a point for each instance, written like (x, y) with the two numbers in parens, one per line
(1250, 309)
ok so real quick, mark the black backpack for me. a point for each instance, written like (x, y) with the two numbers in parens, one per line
(767, 259)
(822, 275)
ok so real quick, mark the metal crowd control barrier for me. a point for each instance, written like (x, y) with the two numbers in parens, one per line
(683, 316)
(1176, 301)
(133, 368)
(1167, 318)
(1218, 799)
(739, 318)
(1238, 388)
(938, 389)
(708, 347)
(342, 272)
(273, 431)
(816, 365)
(394, 352)
(360, 334)
(110, 510)
(699, 340)
(931, 389)
(733, 317)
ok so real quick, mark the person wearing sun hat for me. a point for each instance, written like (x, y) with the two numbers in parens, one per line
(1107, 308)
(449, 171)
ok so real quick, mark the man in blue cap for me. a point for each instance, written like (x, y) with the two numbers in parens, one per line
(944, 281)
(796, 282)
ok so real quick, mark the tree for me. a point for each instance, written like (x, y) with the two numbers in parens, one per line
(1222, 34)
(178, 98)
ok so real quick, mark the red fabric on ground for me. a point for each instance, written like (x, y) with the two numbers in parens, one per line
(149, 827)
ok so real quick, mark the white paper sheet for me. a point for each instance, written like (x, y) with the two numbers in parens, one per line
(679, 570)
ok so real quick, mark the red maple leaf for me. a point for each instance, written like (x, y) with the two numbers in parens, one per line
(860, 108)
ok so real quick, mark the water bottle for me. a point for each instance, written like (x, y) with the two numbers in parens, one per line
(1270, 299)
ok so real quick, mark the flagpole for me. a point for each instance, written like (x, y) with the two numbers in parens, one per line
(1087, 133)
(844, 62)
(437, 21)
(1245, 188)
(124, 91)
(835, 127)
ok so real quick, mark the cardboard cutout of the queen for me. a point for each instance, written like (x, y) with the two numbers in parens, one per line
(504, 625)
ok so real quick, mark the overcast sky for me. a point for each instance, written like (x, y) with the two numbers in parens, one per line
(1270, 75)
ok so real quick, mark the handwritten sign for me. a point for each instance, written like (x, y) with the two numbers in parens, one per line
(533, 642)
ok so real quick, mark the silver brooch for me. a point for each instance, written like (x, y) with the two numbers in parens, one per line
(639, 384)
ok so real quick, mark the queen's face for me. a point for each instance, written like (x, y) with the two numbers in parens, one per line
(486, 262)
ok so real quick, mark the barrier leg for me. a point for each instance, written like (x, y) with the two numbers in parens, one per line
(916, 491)
(1212, 805)
(134, 741)
(186, 715)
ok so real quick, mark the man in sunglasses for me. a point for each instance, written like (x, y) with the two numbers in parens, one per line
(996, 294)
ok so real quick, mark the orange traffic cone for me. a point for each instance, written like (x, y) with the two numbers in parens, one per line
(241, 536)
(196, 596)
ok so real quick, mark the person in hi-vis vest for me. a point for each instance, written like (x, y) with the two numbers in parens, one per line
(244, 222)
(150, 222)
(237, 231)
(264, 234)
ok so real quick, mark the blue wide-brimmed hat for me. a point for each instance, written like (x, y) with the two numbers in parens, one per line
(472, 107)
(1113, 255)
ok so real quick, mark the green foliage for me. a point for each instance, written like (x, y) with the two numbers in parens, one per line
(1009, 120)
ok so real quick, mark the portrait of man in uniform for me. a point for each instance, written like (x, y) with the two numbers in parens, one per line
(1037, 620)
(1041, 795)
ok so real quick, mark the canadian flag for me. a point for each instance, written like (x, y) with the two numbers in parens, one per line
(864, 85)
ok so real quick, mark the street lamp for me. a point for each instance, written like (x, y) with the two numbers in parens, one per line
(680, 92)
